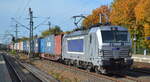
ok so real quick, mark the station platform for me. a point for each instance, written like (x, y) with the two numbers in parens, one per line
(141, 58)
(4, 74)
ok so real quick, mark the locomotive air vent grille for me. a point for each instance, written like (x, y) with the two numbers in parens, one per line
(107, 53)
(124, 52)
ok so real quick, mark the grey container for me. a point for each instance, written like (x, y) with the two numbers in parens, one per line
(50, 44)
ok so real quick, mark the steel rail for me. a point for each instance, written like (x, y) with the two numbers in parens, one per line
(12, 67)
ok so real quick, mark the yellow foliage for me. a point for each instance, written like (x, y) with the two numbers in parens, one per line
(146, 43)
(122, 12)
(142, 11)
(139, 12)
(147, 29)
(133, 14)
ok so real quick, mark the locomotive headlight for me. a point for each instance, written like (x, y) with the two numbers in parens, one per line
(100, 52)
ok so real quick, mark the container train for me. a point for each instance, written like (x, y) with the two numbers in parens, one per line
(104, 49)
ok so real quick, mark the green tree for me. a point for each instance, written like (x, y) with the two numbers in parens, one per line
(53, 30)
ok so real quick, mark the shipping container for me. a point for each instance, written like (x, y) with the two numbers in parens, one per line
(26, 46)
(11, 46)
(36, 45)
(16, 47)
(42, 45)
(58, 45)
(50, 43)
(20, 46)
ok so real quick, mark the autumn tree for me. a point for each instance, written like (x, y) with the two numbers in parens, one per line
(142, 13)
(123, 14)
(94, 18)
(88, 21)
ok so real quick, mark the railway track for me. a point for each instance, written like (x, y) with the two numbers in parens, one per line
(141, 71)
(93, 77)
(132, 78)
(96, 77)
(127, 78)
(14, 75)
(17, 72)
(141, 76)
(40, 74)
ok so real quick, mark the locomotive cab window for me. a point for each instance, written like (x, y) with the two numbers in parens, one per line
(114, 36)
(121, 36)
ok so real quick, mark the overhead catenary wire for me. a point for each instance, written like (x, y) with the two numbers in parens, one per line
(25, 7)
(42, 22)
(19, 8)
(20, 23)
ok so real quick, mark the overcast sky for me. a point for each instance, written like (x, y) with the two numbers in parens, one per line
(59, 11)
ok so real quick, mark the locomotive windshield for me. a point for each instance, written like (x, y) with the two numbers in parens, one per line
(114, 36)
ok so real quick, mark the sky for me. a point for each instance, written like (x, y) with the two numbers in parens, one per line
(59, 11)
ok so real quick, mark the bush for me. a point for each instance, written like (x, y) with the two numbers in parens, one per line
(141, 51)
(13, 52)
